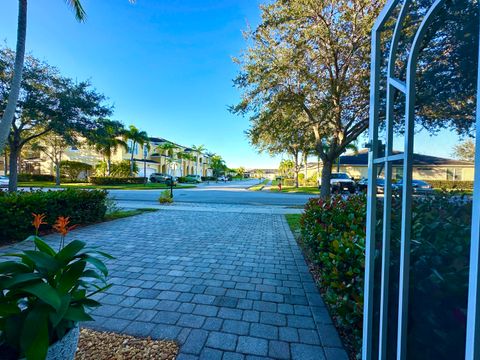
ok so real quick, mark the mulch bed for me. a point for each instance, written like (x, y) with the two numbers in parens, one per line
(110, 346)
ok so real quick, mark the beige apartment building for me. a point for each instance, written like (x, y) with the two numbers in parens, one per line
(149, 159)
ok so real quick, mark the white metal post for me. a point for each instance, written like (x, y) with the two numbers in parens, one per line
(472, 349)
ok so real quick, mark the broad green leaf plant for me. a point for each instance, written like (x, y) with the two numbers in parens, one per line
(45, 293)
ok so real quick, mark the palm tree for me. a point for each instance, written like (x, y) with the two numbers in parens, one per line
(9, 113)
(107, 139)
(136, 137)
(198, 151)
(169, 148)
(186, 156)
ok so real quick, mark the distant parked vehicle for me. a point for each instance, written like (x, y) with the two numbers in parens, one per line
(3, 181)
(222, 178)
(362, 185)
(418, 187)
(340, 182)
(194, 179)
(163, 179)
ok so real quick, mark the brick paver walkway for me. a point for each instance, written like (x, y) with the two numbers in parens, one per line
(225, 285)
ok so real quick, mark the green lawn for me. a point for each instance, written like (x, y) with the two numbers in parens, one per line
(293, 221)
(119, 214)
(293, 189)
(258, 187)
(149, 186)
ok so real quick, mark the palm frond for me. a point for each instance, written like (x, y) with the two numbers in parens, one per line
(76, 5)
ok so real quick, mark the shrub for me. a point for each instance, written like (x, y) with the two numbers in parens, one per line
(165, 197)
(182, 179)
(333, 235)
(451, 185)
(35, 177)
(208, 178)
(110, 180)
(72, 169)
(82, 206)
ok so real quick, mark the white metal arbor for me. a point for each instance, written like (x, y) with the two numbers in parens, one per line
(377, 158)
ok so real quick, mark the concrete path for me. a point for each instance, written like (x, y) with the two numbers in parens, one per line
(224, 284)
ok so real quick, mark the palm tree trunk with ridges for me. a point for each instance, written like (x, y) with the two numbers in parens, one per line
(8, 115)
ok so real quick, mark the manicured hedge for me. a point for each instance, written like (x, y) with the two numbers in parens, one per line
(109, 180)
(208, 178)
(333, 236)
(82, 206)
(449, 185)
(35, 177)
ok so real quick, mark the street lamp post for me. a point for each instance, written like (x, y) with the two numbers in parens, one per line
(173, 167)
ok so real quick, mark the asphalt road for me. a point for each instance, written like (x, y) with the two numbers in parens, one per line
(235, 192)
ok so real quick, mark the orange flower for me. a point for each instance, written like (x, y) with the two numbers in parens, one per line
(38, 220)
(61, 225)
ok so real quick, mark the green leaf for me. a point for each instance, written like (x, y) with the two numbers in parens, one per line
(43, 246)
(34, 340)
(44, 292)
(43, 260)
(88, 302)
(18, 280)
(92, 274)
(9, 309)
(98, 264)
(69, 251)
(70, 277)
(56, 317)
(77, 314)
(9, 267)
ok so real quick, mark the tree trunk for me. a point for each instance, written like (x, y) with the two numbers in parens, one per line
(57, 173)
(13, 179)
(131, 161)
(109, 166)
(8, 115)
(5, 170)
(305, 159)
(326, 176)
(296, 169)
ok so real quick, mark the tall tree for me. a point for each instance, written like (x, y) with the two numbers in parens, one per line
(199, 150)
(279, 131)
(218, 165)
(53, 146)
(312, 56)
(48, 103)
(136, 137)
(107, 139)
(465, 151)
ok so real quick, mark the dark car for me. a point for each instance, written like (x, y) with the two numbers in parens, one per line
(362, 185)
(418, 186)
(163, 179)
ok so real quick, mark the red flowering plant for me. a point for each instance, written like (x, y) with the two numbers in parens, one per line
(45, 293)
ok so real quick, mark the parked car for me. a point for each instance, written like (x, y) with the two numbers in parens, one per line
(222, 178)
(340, 182)
(418, 187)
(3, 181)
(362, 185)
(163, 179)
(194, 179)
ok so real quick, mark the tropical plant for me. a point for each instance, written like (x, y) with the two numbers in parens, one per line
(218, 165)
(286, 168)
(46, 293)
(107, 139)
(199, 150)
(136, 137)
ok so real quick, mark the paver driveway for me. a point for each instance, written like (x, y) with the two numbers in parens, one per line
(225, 285)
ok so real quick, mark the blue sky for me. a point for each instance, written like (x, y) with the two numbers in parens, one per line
(164, 64)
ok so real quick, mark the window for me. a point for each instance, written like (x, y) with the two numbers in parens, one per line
(454, 174)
